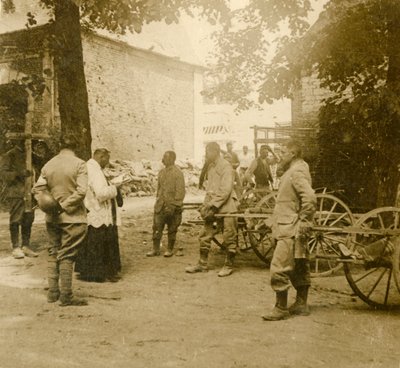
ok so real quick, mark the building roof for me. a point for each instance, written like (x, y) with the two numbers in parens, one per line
(172, 40)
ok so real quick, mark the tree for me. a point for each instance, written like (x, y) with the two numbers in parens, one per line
(355, 53)
(119, 16)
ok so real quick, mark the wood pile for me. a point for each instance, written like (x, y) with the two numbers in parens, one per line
(141, 176)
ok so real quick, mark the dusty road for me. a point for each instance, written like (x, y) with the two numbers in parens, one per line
(159, 316)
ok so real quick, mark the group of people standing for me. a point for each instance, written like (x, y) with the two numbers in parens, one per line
(292, 220)
(292, 217)
(82, 217)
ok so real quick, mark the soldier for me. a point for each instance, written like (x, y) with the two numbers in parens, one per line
(14, 172)
(220, 198)
(60, 191)
(292, 219)
(168, 206)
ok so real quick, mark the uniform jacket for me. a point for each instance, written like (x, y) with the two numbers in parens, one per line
(170, 188)
(220, 185)
(295, 200)
(12, 170)
(65, 176)
(100, 197)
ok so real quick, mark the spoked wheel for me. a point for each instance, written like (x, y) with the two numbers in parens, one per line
(372, 276)
(251, 197)
(324, 245)
(259, 230)
(243, 241)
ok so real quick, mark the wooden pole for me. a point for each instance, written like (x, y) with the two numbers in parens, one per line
(28, 153)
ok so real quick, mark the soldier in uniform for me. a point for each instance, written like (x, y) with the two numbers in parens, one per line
(63, 182)
(220, 198)
(168, 206)
(13, 171)
(292, 219)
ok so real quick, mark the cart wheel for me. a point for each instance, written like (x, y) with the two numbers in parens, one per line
(396, 261)
(259, 230)
(323, 245)
(372, 276)
(243, 241)
(251, 197)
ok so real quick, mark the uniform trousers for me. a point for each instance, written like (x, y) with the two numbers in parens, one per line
(228, 226)
(286, 269)
(160, 219)
(66, 239)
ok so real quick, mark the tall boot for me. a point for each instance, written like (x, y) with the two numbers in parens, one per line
(300, 307)
(26, 228)
(156, 248)
(66, 297)
(14, 234)
(228, 266)
(280, 311)
(171, 245)
(53, 273)
(202, 264)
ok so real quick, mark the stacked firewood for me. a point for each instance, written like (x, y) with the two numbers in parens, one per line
(139, 178)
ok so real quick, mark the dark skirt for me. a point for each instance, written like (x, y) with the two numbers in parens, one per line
(99, 257)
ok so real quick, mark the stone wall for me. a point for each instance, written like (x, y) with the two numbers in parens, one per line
(307, 100)
(141, 103)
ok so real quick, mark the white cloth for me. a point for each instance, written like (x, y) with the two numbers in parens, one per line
(99, 196)
(245, 160)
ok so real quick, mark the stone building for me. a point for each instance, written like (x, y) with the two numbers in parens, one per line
(141, 102)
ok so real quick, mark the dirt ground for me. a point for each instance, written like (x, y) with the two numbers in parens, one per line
(159, 316)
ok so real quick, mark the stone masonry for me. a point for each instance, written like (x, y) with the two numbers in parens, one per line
(141, 103)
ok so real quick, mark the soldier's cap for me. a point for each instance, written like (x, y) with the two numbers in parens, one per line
(102, 150)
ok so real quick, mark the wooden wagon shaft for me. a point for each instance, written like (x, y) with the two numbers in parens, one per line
(332, 229)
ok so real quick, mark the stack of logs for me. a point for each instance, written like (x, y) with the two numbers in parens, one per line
(143, 176)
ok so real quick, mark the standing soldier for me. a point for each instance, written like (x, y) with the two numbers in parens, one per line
(292, 219)
(220, 198)
(14, 172)
(168, 206)
(60, 191)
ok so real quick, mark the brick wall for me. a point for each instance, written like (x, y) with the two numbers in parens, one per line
(307, 100)
(141, 104)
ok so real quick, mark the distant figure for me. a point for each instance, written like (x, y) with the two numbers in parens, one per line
(13, 171)
(234, 157)
(245, 161)
(99, 259)
(260, 169)
(292, 219)
(60, 191)
(220, 198)
(40, 155)
(168, 206)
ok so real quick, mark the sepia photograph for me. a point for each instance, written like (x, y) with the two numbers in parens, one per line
(199, 183)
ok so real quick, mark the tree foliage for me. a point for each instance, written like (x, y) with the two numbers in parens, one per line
(68, 17)
(354, 51)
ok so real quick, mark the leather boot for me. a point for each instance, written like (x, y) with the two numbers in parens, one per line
(14, 234)
(228, 266)
(201, 266)
(300, 307)
(156, 249)
(171, 245)
(53, 273)
(280, 311)
(66, 297)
